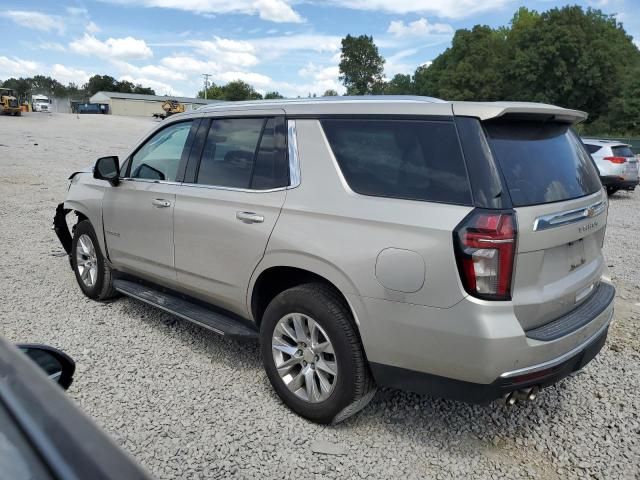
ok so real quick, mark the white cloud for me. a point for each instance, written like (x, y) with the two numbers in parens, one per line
(112, 48)
(439, 8)
(279, 11)
(160, 88)
(227, 53)
(158, 72)
(418, 28)
(91, 27)
(258, 80)
(12, 67)
(69, 74)
(35, 20)
(77, 11)
(54, 46)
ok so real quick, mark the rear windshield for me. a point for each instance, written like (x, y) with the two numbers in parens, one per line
(408, 159)
(622, 151)
(542, 162)
(592, 148)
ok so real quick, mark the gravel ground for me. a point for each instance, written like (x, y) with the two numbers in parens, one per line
(189, 404)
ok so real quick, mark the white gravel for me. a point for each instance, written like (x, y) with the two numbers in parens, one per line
(189, 404)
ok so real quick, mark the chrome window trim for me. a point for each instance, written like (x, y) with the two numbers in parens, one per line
(232, 189)
(294, 160)
(567, 217)
(148, 180)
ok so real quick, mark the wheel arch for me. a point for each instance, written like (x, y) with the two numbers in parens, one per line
(278, 272)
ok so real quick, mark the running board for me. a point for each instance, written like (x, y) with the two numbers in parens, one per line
(193, 312)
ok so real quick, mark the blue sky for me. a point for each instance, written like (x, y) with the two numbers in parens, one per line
(291, 46)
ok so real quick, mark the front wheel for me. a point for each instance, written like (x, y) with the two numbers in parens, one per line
(313, 356)
(93, 273)
(612, 190)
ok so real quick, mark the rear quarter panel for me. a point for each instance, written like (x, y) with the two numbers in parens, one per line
(325, 226)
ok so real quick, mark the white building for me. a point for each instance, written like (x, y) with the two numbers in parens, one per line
(135, 104)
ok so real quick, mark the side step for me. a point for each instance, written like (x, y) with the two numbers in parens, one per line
(193, 312)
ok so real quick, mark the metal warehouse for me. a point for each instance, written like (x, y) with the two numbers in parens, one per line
(134, 104)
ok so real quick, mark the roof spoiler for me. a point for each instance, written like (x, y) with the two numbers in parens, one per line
(519, 111)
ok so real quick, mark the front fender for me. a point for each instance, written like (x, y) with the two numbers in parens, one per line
(85, 196)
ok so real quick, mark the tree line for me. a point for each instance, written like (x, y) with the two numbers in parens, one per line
(241, 90)
(580, 59)
(43, 85)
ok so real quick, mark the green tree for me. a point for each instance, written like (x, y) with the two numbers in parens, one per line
(400, 85)
(272, 96)
(239, 90)
(471, 69)
(124, 86)
(214, 92)
(330, 93)
(144, 90)
(100, 83)
(361, 66)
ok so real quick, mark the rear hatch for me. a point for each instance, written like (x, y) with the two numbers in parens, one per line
(561, 216)
(630, 165)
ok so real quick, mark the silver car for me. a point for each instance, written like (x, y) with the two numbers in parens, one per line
(448, 248)
(616, 162)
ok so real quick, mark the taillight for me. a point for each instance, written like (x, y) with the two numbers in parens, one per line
(485, 244)
(615, 159)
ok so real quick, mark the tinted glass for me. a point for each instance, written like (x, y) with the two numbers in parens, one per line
(227, 158)
(592, 148)
(271, 169)
(410, 159)
(159, 157)
(542, 162)
(622, 151)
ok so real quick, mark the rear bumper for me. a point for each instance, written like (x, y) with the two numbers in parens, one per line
(476, 350)
(619, 182)
(541, 376)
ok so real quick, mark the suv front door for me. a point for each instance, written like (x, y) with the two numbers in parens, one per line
(138, 213)
(227, 207)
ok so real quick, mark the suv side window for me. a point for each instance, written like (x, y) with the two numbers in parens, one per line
(243, 153)
(408, 159)
(159, 158)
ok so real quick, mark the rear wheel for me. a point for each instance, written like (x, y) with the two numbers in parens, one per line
(313, 356)
(93, 274)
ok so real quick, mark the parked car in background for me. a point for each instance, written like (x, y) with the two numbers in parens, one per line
(616, 162)
(449, 248)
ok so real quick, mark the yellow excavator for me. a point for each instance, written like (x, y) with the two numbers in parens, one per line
(170, 107)
(8, 102)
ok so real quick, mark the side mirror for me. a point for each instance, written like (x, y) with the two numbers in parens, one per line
(107, 168)
(59, 366)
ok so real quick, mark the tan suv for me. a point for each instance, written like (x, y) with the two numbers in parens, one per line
(448, 248)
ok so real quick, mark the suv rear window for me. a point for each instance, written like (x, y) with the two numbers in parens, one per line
(407, 159)
(622, 151)
(592, 148)
(542, 162)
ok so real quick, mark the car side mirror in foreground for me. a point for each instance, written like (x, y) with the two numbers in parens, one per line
(107, 168)
(59, 366)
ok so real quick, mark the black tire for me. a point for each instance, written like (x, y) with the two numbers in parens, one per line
(612, 190)
(354, 386)
(102, 289)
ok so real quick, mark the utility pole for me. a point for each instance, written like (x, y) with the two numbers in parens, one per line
(206, 83)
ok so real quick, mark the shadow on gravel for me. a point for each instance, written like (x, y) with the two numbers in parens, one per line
(236, 354)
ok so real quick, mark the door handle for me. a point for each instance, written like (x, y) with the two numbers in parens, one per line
(161, 203)
(249, 217)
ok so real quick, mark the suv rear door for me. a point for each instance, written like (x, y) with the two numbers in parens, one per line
(234, 189)
(561, 213)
